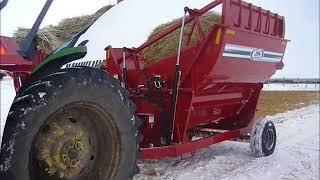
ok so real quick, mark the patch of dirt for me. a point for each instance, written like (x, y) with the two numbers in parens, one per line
(274, 102)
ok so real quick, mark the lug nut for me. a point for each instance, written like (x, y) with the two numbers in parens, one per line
(74, 163)
(72, 144)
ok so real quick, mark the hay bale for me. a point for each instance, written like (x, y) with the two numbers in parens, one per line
(103, 10)
(47, 40)
(169, 44)
(51, 37)
(71, 26)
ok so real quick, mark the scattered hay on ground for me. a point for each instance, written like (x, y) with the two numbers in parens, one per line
(169, 44)
(51, 37)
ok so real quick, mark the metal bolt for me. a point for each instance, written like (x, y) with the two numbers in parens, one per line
(74, 163)
(64, 157)
(71, 145)
(78, 145)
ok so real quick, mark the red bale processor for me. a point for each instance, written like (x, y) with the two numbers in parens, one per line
(14, 64)
(86, 113)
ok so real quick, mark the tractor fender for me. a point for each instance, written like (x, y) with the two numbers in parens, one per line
(54, 62)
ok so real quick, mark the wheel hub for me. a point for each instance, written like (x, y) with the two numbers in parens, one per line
(71, 153)
(73, 143)
(64, 149)
(269, 139)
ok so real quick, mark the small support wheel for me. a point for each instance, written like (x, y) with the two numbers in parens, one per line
(263, 138)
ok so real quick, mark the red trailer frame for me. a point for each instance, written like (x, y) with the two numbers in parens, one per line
(218, 90)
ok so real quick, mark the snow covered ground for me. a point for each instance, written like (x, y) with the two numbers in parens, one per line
(7, 94)
(296, 155)
(291, 87)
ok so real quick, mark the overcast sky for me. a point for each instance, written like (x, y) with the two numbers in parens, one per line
(302, 26)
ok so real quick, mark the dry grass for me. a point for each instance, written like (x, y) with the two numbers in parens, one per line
(51, 37)
(274, 102)
(169, 44)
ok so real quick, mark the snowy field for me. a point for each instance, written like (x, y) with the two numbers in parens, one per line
(6, 97)
(296, 155)
(291, 87)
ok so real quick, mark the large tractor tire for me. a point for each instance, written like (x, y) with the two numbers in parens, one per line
(76, 124)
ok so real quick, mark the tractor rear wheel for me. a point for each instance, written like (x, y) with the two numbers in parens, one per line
(76, 124)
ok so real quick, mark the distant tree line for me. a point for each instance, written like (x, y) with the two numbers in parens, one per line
(295, 80)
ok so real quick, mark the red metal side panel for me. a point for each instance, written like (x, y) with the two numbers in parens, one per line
(237, 13)
(11, 61)
(11, 57)
(252, 45)
(235, 63)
